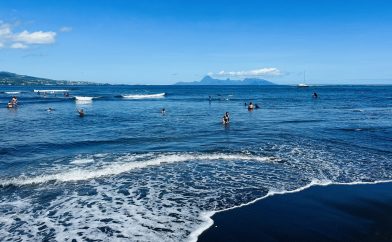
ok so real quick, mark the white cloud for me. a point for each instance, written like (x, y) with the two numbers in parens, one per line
(65, 29)
(38, 37)
(22, 40)
(269, 71)
(18, 46)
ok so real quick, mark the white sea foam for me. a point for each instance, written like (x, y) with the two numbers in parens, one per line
(207, 222)
(16, 92)
(144, 96)
(82, 161)
(166, 196)
(50, 90)
(82, 98)
(123, 164)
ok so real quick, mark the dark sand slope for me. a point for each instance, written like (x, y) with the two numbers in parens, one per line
(321, 213)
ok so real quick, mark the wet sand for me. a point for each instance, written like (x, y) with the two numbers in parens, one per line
(361, 212)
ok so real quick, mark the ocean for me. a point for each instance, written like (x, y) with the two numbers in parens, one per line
(127, 172)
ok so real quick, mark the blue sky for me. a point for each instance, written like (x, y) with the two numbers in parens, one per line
(162, 42)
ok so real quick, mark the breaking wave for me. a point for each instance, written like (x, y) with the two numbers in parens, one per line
(124, 164)
(144, 96)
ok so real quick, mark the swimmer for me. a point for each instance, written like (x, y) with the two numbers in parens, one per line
(315, 95)
(226, 118)
(163, 111)
(81, 112)
(50, 109)
(251, 106)
(14, 100)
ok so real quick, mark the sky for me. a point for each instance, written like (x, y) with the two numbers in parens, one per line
(163, 42)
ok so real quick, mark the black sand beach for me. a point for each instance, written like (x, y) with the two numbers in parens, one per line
(322, 213)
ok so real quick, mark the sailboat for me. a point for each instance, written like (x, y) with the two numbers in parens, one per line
(303, 84)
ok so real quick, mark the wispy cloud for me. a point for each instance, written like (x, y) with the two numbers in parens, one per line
(65, 29)
(269, 71)
(25, 38)
(18, 46)
(5, 30)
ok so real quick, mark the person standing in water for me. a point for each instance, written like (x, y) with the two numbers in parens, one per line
(81, 112)
(14, 101)
(226, 118)
(251, 106)
(163, 111)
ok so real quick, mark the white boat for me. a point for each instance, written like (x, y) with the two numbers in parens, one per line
(80, 98)
(303, 84)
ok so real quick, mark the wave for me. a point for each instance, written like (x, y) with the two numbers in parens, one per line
(13, 92)
(144, 96)
(125, 164)
(50, 90)
(82, 98)
(82, 161)
(360, 129)
(303, 121)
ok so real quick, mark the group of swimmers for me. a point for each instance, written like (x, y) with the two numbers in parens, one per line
(225, 120)
(13, 102)
(79, 111)
(251, 107)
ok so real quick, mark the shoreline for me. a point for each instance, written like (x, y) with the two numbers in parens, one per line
(218, 224)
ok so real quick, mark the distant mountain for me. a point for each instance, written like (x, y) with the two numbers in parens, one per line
(8, 78)
(207, 80)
